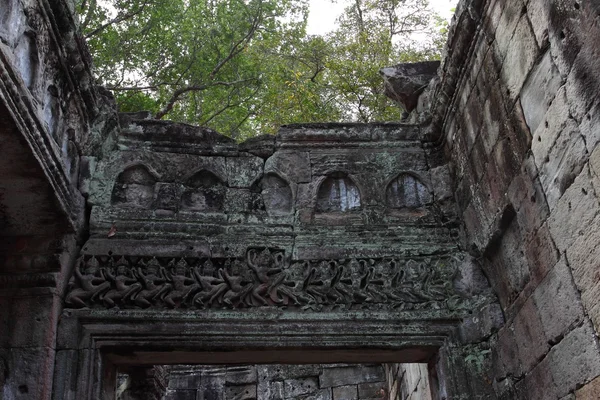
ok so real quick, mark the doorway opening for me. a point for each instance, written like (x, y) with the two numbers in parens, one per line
(339, 381)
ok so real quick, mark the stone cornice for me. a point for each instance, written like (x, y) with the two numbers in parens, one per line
(462, 38)
(22, 109)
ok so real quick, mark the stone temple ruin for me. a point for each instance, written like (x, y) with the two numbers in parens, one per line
(455, 255)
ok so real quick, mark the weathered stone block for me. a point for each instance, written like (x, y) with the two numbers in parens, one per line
(482, 323)
(240, 392)
(529, 335)
(505, 358)
(595, 169)
(241, 375)
(529, 200)
(28, 372)
(563, 164)
(589, 391)
(269, 390)
(181, 395)
(554, 123)
(511, 14)
(539, 382)
(371, 390)
(509, 266)
(541, 253)
(349, 392)
(567, 31)
(294, 165)
(539, 90)
(584, 257)
(243, 171)
(340, 376)
(558, 303)
(537, 12)
(520, 57)
(441, 182)
(37, 330)
(494, 118)
(574, 212)
(575, 360)
(300, 386)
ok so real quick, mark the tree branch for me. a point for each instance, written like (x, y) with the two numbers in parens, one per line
(118, 19)
(194, 88)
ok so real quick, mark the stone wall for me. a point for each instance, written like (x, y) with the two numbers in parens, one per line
(517, 110)
(356, 224)
(278, 382)
(50, 114)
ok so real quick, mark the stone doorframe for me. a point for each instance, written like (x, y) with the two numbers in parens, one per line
(92, 344)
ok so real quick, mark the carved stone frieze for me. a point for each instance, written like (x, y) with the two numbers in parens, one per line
(264, 279)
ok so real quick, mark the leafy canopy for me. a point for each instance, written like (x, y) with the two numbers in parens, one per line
(245, 67)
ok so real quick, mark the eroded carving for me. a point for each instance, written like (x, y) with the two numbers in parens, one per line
(276, 194)
(204, 191)
(338, 193)
(407, 191)
(264, 279)
(134, 187)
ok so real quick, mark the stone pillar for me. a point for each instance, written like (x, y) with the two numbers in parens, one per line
(144, 383)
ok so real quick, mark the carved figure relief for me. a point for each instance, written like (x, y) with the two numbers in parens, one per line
(338, 193)
(134, 187)
(263, 279)
(407, 191)
(204, 191)
(276, 194)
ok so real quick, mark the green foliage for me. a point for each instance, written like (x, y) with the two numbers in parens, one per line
(245, 67)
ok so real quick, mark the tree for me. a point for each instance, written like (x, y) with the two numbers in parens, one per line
(373, 34)
(244, 67)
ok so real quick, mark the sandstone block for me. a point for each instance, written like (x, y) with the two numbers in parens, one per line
(529, 335)
(558, 303)
(505, 359)
(539, 90)
(537, 12)
(371, 390)
(341, 376)
(520, 57)
(553, 123)
(589, 391)
(539, 382)
(293, 165)
(595, 169)
(584, 258)
(563, 164)
(574, 212)
(541, 253)
(243, 171)
(511, 14)
(349, 392)
(241, 375)
(575, 360)
(241, 392)
(441, 182)
(300, 386)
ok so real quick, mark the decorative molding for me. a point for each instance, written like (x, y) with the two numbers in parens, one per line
(264, 279)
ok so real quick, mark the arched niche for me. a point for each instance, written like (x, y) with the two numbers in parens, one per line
(276, 194)
(134, 187)
(204, 191)
(407, 191)
(338, 193)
